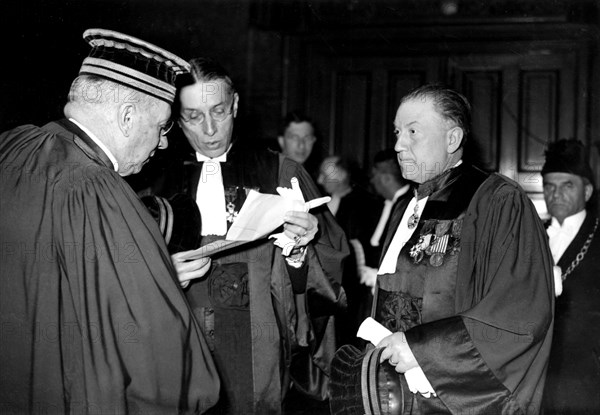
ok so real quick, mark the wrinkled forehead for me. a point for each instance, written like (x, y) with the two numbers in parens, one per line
(421, 110)
(560, 178)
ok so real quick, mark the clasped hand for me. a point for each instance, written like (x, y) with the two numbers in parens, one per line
(397, 352)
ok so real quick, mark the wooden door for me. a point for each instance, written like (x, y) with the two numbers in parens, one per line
(520, 103)
(354, 99)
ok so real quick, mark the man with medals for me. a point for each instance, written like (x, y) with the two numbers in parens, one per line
(268, 317)
(573, 379)
(465, 281)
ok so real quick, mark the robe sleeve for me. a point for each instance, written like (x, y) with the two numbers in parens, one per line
(329, 249)
(127, 330)
(325, 297)
(491, 356)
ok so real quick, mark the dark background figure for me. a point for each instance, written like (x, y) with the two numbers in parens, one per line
(298, 140)
(268, 318)
(92, 317)
(387, 180)
(357, 211)
(573, 380)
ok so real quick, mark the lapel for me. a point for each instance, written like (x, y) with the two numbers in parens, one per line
(577, 243)
(191, 176)
(449, 196)
(392, 224)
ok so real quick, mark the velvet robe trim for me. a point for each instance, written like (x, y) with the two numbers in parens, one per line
(504, 296)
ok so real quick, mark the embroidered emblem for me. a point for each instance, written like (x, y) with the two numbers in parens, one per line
(230, 198)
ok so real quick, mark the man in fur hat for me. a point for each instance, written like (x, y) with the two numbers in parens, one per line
(574, 370)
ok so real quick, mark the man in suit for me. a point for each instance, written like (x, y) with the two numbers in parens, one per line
(573, 380)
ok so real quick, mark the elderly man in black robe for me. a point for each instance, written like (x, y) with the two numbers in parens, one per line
(268, 317)
(93, 318)
(465, 282)
(573, 382)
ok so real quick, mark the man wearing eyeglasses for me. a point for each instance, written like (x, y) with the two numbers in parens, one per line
(267, 316)
(92, 315)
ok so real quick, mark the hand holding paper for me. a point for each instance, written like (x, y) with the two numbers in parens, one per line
(262, 214)
(300, 227)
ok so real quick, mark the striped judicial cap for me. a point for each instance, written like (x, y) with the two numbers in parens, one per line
(133, 62)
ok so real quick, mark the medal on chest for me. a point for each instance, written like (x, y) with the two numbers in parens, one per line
(413, 220)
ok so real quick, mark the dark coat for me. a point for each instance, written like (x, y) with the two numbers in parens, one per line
(573, 382)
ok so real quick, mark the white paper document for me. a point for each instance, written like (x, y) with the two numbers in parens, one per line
(260, 215)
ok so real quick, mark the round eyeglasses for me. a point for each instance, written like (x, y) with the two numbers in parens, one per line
(193, 116)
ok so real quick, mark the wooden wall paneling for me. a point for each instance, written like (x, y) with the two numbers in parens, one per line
(520, 101)
(316, 88)
(374, 86)
(538, 110)
(352, 114)
(548, 108)
(400, 83)
(483, 89)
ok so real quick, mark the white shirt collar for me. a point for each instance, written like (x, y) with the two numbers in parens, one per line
(560, 237)
(571, 224)
(99, 143)
(222, 158)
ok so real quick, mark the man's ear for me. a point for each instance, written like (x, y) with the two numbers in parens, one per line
(125, 118)
(280, 140)
(455, 137)
(236, 99)
(589, 189)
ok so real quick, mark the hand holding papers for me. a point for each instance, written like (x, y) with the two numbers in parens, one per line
(260, 215)
(295, 194)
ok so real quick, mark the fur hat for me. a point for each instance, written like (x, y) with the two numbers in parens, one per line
(568, 156)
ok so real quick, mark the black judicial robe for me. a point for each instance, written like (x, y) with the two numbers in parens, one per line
(93, 318)
(573, 382)
(479, 322)
(246, 303)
